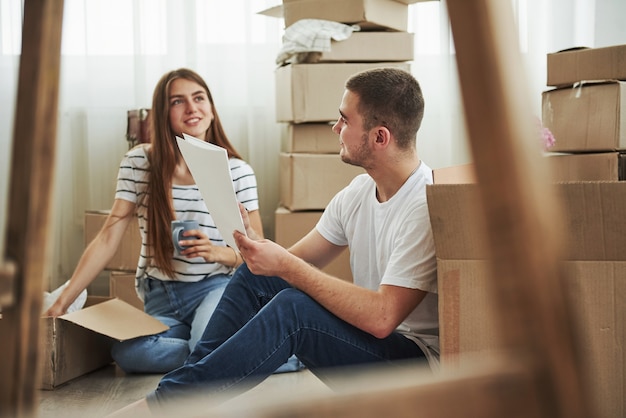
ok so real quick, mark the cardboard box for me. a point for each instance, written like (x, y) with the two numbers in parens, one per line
(80, 342)
(596, 231)
(586, 64)
(309, 138)
(291, 226)
(370, 47)
(588, 118)
(313, 92)
(596, 290)
(368, 14)
(122, 286)
(595, 272)
(127, 255)
(604, 166)
(309, 181)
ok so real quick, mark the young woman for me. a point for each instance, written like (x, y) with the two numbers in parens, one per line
(154, 184)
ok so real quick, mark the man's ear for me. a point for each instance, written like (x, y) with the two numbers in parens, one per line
(383, 136)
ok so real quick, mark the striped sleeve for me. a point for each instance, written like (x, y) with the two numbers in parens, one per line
(132, 176)
(244, 181)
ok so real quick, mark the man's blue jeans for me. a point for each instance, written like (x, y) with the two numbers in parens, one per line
(258, 324)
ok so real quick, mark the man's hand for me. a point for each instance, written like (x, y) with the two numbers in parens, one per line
(264, 257)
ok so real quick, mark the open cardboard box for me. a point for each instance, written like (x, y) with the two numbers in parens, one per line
(80, 342)
(368, 14)
(594, 269)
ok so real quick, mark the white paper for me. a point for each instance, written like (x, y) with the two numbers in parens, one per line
(208, 164)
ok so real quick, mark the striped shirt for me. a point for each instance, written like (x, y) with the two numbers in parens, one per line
(132, 184)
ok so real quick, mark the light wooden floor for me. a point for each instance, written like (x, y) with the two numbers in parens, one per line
(106, 390)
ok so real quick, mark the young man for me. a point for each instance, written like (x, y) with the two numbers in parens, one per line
(281, 304)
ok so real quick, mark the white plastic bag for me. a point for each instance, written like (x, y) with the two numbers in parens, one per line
(50, 297)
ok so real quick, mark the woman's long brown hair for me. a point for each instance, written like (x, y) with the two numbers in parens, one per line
(164, 156)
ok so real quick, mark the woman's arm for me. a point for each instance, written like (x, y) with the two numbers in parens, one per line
(96, 256)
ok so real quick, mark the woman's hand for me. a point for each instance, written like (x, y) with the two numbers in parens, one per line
(56, 309)
(203, 247)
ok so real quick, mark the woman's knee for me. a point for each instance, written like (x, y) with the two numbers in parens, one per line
(150, 354)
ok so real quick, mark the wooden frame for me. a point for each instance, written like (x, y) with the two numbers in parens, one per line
(30, 194)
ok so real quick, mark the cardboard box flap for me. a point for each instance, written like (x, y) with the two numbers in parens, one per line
(116, 319)
(368, 14)
(274, 11)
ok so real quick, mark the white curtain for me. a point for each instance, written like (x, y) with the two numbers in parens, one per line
(114, 51)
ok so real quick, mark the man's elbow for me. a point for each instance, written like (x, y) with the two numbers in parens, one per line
(383, 329)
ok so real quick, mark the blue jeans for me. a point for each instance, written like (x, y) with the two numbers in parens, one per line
(259, 323)
(183, 306)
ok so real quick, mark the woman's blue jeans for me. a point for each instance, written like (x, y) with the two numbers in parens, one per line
(183, 306)
(259, 323)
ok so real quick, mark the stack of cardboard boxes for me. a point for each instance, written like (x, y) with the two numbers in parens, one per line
(586, 112)
(586, 121)
(307, 101)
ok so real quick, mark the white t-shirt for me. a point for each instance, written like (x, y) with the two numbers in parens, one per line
(132, 184)
(390, 243)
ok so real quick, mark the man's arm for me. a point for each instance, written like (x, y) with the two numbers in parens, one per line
(377, 312)
(315, 249)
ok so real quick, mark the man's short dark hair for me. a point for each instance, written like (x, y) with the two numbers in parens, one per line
(390, 97)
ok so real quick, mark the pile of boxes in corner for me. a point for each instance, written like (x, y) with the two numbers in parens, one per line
(586, 114)
(308, 94)
(80, 342)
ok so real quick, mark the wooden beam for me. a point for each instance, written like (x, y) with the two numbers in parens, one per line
(30, 194)
(525, 237)
(8, 272)
(490, 389)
